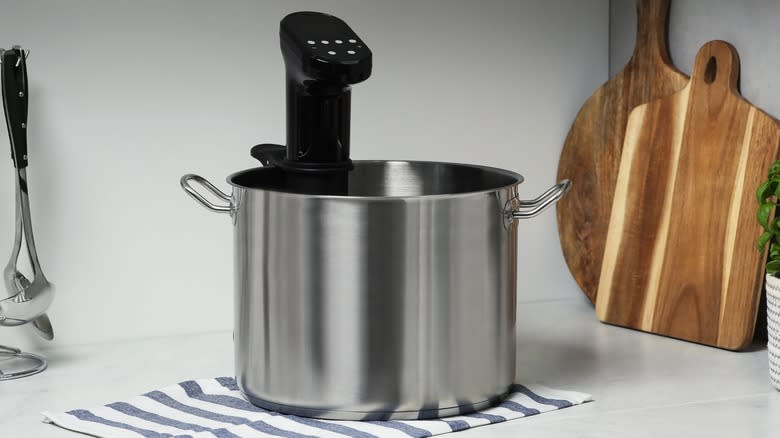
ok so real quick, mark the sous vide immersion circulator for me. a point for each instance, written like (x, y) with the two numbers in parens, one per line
(323, 58)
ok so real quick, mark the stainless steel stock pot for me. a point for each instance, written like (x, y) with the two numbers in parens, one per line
(394, 301)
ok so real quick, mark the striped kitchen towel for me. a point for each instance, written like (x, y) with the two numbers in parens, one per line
(216, 408)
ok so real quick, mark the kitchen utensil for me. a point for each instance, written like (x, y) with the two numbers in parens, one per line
(680, 257)
(396, 300)
(367, 289)
(29, 299)
(24, 364)
(591, 153)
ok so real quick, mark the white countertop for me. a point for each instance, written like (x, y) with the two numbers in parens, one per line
(643, 385)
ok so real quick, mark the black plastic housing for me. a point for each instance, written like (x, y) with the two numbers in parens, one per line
(323, 57)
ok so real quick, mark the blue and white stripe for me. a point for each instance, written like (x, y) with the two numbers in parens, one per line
(216, 408)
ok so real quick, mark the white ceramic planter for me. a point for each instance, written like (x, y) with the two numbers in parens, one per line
(773, 328)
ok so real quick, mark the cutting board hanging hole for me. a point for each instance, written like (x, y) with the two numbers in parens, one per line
(711, 71)
(717, 65)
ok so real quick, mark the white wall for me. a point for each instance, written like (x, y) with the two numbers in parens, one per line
(128, 96)
(751, 26)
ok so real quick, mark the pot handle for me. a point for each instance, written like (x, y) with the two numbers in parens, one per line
(185, 184)
(529, 209)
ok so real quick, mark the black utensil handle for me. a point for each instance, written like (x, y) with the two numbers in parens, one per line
(14, 81)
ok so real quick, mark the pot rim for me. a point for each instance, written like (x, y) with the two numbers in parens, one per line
(518, 177)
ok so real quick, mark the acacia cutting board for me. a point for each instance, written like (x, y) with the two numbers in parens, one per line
(591, 153)
(680, 257)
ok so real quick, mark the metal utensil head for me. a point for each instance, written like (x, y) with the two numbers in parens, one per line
(20, 308)
(27, 304)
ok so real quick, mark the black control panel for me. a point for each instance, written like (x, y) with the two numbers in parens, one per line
(322, 47)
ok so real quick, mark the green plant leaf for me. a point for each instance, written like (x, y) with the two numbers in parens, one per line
(774, 249)
(768, 189)
(761, 192)
(773, 266)
(765, 237)
(774, 169)
(763, 214)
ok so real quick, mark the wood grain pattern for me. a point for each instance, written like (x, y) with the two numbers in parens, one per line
(680, 257)
(591, 153)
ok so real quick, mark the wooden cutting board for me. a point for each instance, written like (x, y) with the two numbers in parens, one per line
(680, 257)
(591, 153)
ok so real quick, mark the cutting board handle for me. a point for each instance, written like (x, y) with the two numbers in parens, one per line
(716, 64)
(652, 18)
